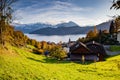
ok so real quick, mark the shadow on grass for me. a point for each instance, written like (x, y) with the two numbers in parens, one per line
(48, 60)
(83, 63)
(55, 61)
(33, 59)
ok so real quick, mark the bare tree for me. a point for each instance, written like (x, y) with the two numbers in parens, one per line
(5, 16)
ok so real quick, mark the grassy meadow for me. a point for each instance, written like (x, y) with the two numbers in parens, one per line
(21, 64)
(115, 48)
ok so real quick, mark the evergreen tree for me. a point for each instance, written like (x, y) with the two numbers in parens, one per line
(112, 28)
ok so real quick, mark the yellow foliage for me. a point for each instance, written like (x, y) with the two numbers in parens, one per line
(92, 34)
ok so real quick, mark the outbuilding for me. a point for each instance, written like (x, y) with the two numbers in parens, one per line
(91, 51)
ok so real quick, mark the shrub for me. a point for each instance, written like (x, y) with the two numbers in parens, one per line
(58, 53)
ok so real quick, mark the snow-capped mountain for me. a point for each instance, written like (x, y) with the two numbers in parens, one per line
(70, 30)
(27, 28)
(67, 24)
(59, 29)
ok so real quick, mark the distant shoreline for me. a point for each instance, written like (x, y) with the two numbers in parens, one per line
(55, 38)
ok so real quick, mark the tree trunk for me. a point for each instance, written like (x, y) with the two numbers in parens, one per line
(1, 36)
(2, 29)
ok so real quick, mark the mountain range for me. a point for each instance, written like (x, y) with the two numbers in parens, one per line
(66, 28)
(27, 28)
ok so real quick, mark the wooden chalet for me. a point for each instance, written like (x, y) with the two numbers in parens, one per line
(89, 51)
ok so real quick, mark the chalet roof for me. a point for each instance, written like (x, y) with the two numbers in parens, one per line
(78, 45)
(90, 47)
(96, 47)
(93, 42)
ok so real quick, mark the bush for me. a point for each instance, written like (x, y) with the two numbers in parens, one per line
(58, 53)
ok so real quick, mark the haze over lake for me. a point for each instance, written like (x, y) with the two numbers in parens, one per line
(55, 38)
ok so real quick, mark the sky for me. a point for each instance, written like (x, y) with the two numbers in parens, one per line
(82, 12)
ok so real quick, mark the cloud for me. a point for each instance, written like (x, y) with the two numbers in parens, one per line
(58, 11)
(55, 6)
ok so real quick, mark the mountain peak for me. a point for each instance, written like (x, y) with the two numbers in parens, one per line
(67, 24)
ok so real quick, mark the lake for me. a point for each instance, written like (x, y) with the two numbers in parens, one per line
(55, 38)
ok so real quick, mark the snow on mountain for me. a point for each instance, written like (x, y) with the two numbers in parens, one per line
(66, 28)
(26, 28)
(67, 24)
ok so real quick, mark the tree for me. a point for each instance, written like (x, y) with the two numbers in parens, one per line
(5, 16)
(58, 53)
(95, 31)
(44, 45)
(116, 4)
(92, 34)
(117, 23)
(112, 28)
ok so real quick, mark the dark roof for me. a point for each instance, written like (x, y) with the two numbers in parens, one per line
(93, 42)
(90, 47)
(96, 47)
(78, 45)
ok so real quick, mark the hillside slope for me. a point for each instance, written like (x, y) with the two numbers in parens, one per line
(20, 64)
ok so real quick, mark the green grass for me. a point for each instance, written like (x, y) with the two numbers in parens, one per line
(20, 64)
(115, 48)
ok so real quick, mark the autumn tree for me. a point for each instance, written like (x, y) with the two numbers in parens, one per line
(92, 34)
(5, 16)
(117, 23)
(58, 53)
(96, 31)
(44, 45)
(19, 39)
